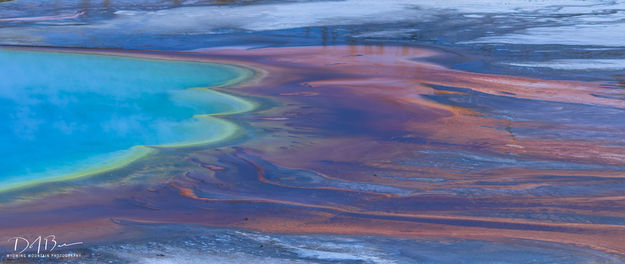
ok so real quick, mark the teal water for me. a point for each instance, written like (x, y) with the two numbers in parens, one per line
(64, 113)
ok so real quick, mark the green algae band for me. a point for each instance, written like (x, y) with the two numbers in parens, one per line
(68, 115)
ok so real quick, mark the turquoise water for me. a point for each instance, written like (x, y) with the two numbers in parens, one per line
(64, 113)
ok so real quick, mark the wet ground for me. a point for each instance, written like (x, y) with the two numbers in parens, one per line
(390, 132)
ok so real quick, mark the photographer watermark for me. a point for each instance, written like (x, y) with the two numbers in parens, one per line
(40, 247)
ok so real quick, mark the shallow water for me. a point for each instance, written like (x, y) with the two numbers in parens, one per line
(341, 163)
(64, 112)
(192, 244)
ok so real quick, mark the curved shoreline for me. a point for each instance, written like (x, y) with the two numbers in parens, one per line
(136, 153)
(107, 162)
(357, 149)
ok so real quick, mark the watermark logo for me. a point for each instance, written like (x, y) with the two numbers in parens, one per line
(39, 247)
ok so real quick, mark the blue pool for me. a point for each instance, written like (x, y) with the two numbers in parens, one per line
(67, 114)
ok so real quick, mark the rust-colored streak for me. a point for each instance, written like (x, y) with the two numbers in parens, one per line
(375, 140)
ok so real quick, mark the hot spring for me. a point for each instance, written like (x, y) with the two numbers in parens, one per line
(68, 114)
